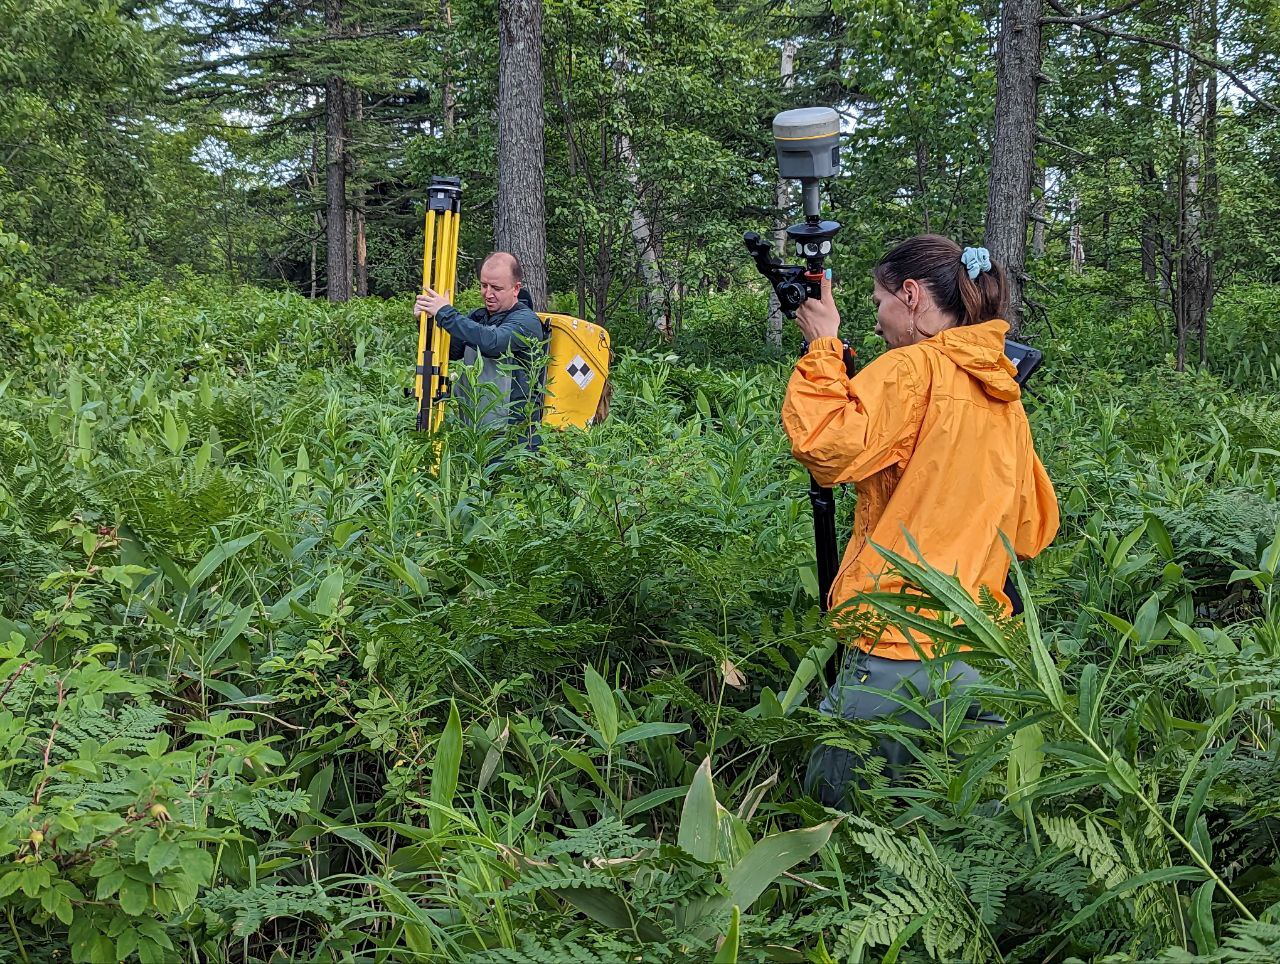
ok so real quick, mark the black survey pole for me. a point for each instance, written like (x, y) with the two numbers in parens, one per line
(807, 144)
(823, 502)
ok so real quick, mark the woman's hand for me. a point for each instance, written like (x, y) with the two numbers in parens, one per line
(819, 318)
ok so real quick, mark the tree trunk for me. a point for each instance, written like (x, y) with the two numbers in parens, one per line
(351, 252)
(1039, 216)
(922, 189)
(1149, 179)
(573, 154)
(521, 226)
(645, 234)
(1106, 240)
(602, 277)
(1103, 243)
(1171, 237)
(226, 227)
(1077, 238)
(1209, 229)
(1150, 224)
(1013, 151)
(449, 95)
(336, 259)
(581, 260)
(653, 300)
(1195, 270)
(774, 321)
(1188, 267)
(582, 270)
(1172, 183)
(313, 182)
(358, 239)
(362, 251)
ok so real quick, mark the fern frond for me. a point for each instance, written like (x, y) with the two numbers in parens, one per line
(260, 809)
(539, 877)
(246, 910)
(930, 888)
(593, 948)
(609, 838)
(1091, 844)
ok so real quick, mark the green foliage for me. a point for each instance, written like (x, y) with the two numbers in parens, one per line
(107, 826)
(280, 679)
(78, 79)
(558, 708)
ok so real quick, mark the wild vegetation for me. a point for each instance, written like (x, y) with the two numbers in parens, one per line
(281, 679)
(274, 688)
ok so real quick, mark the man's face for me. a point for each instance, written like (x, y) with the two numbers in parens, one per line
(498, 288)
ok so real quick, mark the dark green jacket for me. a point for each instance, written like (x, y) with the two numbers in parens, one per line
(510, 348)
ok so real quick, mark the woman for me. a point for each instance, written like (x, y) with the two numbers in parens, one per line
(936, 440)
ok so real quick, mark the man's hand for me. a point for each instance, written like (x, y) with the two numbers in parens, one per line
(432, 302)
(819, 318)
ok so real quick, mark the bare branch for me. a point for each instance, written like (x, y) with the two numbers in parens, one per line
(1044, 138)
(1082, 19)
(1087, 24)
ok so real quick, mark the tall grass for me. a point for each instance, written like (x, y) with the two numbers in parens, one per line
(536, 710)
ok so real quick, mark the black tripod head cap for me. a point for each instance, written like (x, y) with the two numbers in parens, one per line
(445, 194)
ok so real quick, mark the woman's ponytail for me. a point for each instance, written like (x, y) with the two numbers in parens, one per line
(967, 285)
(983, 294)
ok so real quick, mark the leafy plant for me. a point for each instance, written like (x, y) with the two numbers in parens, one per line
(394, 706)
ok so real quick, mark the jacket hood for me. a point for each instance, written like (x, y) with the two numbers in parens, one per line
(979, 350)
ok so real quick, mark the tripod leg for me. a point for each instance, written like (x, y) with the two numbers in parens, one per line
(446, 276)
(421, 379)
(437, 284)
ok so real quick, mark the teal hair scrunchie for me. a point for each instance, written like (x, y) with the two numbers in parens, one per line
(976, 260)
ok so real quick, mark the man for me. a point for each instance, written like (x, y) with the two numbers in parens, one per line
(508, 340)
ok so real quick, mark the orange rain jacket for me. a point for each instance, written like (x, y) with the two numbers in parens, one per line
(937, 442)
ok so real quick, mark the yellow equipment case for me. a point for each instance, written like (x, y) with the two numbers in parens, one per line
(577, 371)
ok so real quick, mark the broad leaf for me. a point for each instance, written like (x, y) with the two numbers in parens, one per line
(699, 821)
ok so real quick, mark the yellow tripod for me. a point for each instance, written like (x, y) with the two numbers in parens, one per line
(440, 273)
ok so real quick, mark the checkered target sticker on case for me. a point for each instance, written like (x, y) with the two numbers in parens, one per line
(581, 371)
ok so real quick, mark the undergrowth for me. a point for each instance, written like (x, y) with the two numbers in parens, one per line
(276, 686)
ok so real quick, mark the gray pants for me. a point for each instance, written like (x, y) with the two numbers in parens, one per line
(860, 693)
